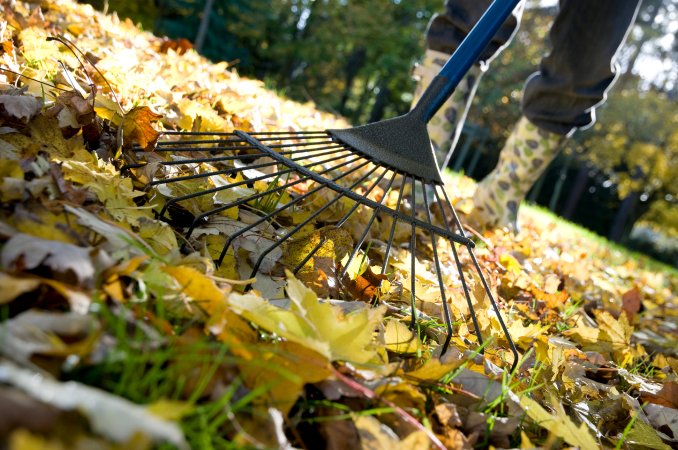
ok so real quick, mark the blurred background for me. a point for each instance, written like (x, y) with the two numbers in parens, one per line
(355, 58)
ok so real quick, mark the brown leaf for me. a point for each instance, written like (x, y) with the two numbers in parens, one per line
(632, 302)
(366, 285)
(667, 396)
(137, 128)
(180, 46)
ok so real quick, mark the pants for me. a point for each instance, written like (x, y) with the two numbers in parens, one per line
(574, 77)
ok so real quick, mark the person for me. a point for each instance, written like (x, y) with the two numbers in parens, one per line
(561, 97)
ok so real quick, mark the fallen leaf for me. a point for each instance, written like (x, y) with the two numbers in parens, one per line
(663, 419)
(632, 301)
(25, 252)
(137, 128)
(318, 326)
(559, 423)
(49, 334)
(400, 339)
(116, 418)
(14, 286)
(374, 435)
(17, 109)
(644, 436)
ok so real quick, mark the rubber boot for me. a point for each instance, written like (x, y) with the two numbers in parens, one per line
(525, 156)
(448, 121)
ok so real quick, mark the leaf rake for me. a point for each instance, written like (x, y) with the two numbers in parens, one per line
(383, 176)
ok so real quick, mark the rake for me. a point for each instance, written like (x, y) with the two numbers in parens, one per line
(382, 175)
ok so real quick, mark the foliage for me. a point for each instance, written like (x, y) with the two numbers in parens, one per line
(163, 348)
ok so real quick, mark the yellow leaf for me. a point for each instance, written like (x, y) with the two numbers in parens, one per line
(523, 335)
(374, 435)
(204, 117)
(315, 325)
(400, 339)
(436, 368)
(169, 409)
(12, 287)
(199, 287)
(559, 424)
(283, 369)
(510, 263)
(159, 235)
(616, 332)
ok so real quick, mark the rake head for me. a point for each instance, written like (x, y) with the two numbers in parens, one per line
(319, 203)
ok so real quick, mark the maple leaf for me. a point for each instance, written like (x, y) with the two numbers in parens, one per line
(137, 128)
(313, 324)
(559, 423)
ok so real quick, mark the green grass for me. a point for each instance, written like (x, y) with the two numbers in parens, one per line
(146, 366)
(578, 232)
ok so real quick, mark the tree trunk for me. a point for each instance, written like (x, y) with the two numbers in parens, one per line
(204, 25)
(578, 189)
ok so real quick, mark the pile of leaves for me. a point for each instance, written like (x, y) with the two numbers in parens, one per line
(113, 335)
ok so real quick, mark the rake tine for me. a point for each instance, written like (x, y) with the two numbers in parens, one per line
(325, 150)
(231, 170)
(389, 244)
(338, 225)
(285, 206)
(369, 224)
(446, 308)
(310, 255)
(413, 255)
(467, 292)
(493, 302)
(220, 188)
(202, 216)
(294, 230)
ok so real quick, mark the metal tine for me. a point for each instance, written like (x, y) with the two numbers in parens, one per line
(369, 224)
(341, 222)
(389, 243)
(436, 260)
(248, 155)
(230, 133)
(241, 201)
(294, 230)
(413, 256)
(239, 183)
(289, 204)
(486, 286)
(467, 292)
(231, 170)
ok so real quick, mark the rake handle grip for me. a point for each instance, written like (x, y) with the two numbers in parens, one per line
(468, 52)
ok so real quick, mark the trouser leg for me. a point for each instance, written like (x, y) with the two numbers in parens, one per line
(561, 97)
(574, 77)
(444, 34)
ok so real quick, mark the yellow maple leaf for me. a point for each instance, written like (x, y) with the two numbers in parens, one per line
(559, 423)
(199, 287)
(319, 326)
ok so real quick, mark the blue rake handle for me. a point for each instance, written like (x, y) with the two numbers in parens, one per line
(464, 57)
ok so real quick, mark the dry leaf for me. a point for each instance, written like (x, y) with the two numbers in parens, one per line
(137, 127)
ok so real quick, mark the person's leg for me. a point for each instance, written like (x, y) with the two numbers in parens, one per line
(444, 34)
(558, 99)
